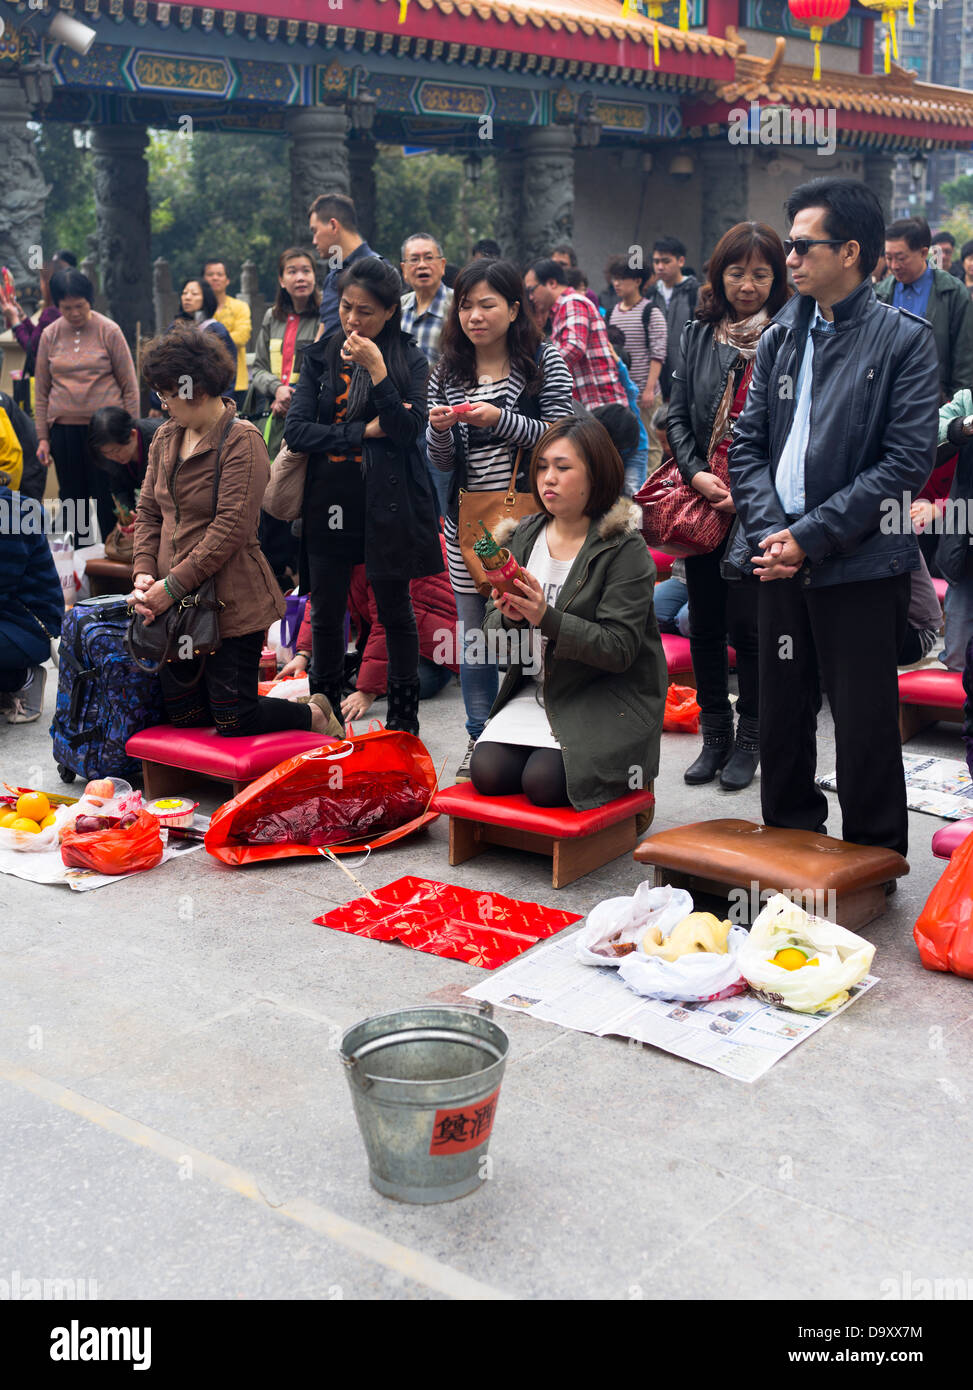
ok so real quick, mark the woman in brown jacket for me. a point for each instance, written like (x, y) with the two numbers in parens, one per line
(180, 542)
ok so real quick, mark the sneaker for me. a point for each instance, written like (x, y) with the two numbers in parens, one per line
(27, 703)
(463, 771)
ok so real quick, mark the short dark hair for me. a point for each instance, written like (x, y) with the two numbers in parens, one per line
(576, 277)
(967, 250)
(739, 244)
(215, 260)
(206, 290)
(546, 269)
(944, 239)
(621, 424)
(566, 250)
(336, 205)
(852, 213)
(669, 246)
(606, 472)
(109, 425)
(486, 246)
(618, 268)
(186, 352)
(914, 231)
(71, 284)
(617, 339)
(66, 258)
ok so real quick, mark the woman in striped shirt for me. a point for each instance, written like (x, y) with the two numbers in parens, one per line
(493, 360)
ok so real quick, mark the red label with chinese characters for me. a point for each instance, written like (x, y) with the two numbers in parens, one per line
(456, 1130)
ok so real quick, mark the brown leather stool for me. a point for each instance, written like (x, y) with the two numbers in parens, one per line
(717, 856)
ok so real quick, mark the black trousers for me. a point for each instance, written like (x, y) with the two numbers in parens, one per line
(330, 579)
(224, 693)
(718, 608)
(13, 678)
(846, 637)
(78, 480)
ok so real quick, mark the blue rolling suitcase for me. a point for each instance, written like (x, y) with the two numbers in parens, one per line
(102, 696)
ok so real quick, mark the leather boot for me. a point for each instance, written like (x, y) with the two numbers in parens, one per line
(742, 765)
(403, 706)
(717, 746)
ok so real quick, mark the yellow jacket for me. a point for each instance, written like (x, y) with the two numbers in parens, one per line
(235, 318)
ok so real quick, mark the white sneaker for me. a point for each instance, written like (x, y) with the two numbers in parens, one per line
(27, 703)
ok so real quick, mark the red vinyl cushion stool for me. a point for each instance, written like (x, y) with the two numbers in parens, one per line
(925, 697)
(949, 837)
(679, 661)
(663, 563)
(577, 841)
(168, 754)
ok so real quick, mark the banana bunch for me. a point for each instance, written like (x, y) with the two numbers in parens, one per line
(700, 931)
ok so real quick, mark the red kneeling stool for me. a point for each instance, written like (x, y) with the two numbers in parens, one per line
(108, 577)
(173, 757)
(949, 837)
(925, 696)
(577, 841)
(679, 662)
(662, 562)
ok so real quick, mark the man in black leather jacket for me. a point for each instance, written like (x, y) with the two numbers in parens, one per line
(841, 416)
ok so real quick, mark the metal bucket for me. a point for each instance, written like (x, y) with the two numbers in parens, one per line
(425, 1083)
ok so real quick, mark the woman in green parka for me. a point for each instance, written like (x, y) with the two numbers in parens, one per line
(579, 716)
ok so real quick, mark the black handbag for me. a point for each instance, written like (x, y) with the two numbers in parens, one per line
(187, 630)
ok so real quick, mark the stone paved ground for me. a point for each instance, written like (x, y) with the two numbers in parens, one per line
(176, 1123)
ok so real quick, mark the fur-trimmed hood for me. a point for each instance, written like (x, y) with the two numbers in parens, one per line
(624, 515)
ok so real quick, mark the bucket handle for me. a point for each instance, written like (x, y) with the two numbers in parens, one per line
(483, 1007)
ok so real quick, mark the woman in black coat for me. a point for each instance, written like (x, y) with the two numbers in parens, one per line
(358, 411)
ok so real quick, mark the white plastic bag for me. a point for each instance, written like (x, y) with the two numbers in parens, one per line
(696, 977)
(62, 548)
(292, 689)
(843, 958)
(625, 921)
(29, 842)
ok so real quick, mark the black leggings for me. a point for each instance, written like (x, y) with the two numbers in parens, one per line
(224, 693)
(78, 479)
(330, 579)
(505, 769)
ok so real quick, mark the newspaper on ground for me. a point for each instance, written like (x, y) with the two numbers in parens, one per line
(937, 786)
(740, 1037)
(50, 868)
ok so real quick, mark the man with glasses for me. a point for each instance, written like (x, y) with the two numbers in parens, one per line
(841, 420)
(424, 309)
(935, 295)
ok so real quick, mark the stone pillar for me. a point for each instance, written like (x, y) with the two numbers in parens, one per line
(123, 227)
(510, 204)
(165, 300)
(724, 174)
(251, 296)
(24, 191)
(319, 160)
(361, 173)
(879, 174)
(548, 189)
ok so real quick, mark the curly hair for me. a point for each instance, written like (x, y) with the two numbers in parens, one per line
(187, 354)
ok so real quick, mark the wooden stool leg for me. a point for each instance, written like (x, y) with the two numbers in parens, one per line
(158, 779)
(912, 720)
(573, 858)
(464, 842)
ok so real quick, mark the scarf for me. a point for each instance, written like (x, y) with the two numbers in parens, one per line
(742, 334)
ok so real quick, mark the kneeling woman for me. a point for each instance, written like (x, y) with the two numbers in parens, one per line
(585, 728)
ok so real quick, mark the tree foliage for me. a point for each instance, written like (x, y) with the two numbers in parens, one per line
(69, 214)
(959, 191)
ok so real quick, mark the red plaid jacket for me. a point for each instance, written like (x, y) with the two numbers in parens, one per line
(578, 332)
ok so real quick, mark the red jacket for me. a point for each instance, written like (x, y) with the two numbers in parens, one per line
(435, 609)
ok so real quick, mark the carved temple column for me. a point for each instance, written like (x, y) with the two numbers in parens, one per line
(725, 178)
(319, 160)
(548, 188)
(361, 170)
(123, 228)
(879, 174)
(510, 203)
(24, 190)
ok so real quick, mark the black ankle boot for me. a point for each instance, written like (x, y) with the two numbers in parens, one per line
(742, 765)
(403, 706)
(717, 746)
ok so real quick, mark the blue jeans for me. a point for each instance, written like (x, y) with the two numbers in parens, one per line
(432, 678)
(635, 470)
(439, 479)
(959, 623)
(671, 603)
(480, 680)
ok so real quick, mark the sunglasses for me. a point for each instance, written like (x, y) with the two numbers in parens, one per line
(803, 244)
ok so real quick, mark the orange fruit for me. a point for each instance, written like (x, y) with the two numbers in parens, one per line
(790, 958)
(33, 805)
(23, 823)
(7, 819)
(49, 821)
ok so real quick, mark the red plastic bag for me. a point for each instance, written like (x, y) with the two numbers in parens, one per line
(115, 851)
(682, 711)
(944, 931)
(371, 789)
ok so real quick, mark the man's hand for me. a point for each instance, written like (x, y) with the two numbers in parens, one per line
(282, 399)
(782, 557)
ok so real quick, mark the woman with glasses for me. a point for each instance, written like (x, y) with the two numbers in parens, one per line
(746, 287)
(510, 387)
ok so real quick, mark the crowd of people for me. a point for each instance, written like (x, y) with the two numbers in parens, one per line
(802, 387)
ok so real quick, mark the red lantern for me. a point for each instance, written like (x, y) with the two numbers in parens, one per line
(817, 15)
